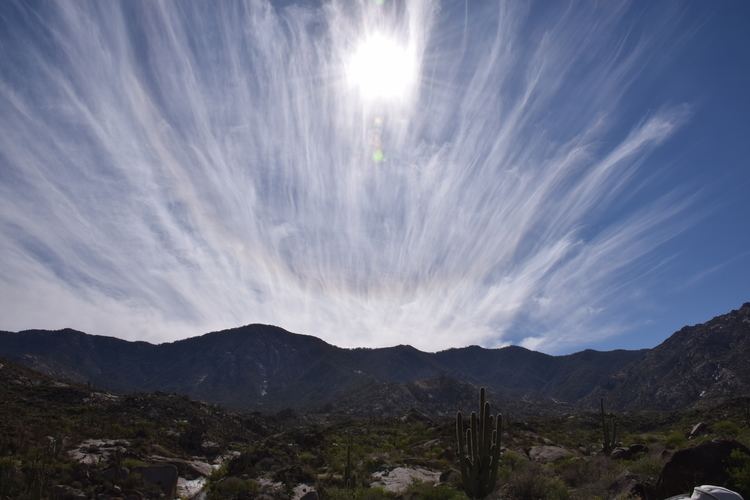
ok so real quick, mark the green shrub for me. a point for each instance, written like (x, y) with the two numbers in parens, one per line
(360, 493)
(233, 488)
(739, 472)
(533, 484)
(726, 429)
(675, 439)
(647, 466)
(424, 491)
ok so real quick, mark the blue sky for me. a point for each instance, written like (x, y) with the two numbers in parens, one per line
(554, 175)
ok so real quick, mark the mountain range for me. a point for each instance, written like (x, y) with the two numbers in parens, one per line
(266, 368)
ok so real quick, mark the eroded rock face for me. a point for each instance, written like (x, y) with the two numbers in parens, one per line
(706, 463)
(399, 479)
(546, 454)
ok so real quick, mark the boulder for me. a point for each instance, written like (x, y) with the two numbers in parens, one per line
(697, 430)
(210, 447)
(546, 454)
(96, 451)
(621, 453)
(707, 463)
(162, 475)
(304, 492)
(399, 479)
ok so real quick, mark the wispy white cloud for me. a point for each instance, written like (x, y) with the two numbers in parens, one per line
(170, 168)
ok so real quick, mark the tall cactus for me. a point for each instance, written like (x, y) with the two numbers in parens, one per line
(479, 455)
(609, 430)
(348, 473)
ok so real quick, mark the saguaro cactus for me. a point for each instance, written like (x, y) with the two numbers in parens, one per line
(479, 449)
(348, 471)
(609, 430)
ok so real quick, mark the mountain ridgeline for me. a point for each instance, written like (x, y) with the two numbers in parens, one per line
(261, 367)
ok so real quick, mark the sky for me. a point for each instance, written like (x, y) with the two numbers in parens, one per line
(554, 175)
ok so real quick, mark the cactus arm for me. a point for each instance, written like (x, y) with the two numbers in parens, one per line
(614, 432)
(495, 450)
(475, 451)
(482, 422)
(459, 434)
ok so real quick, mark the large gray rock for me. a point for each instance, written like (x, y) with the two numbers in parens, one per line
(707, 463)
(162, 475)
(546, 454)
(399, 479)
(697, 430)
(98, 451)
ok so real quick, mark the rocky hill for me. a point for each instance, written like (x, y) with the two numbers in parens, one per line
(699, 364)
(267, 368)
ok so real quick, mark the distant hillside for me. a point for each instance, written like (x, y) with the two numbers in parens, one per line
(697, 365)
(267, 368)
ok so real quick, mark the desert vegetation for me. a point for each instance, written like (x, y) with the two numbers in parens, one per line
(60, 440)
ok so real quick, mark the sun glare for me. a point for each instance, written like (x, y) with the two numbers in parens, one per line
(381, 68)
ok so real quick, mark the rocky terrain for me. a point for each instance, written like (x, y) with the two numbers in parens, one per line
(697, 365)
(266, 368)
(67, 441)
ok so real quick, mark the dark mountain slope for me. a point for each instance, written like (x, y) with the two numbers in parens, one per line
(266, 367)
(77, 356)
(705, 362)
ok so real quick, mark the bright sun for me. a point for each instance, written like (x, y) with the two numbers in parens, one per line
(382, 69)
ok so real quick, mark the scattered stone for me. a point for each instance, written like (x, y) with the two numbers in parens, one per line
(210, 447)
(707, 463)
(399, 479)
(546, 454)
(96, 451)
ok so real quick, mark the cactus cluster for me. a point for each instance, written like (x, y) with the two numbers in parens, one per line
(609, 430)
(479, 449)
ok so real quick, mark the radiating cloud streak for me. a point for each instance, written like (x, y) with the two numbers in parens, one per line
(168, 168)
